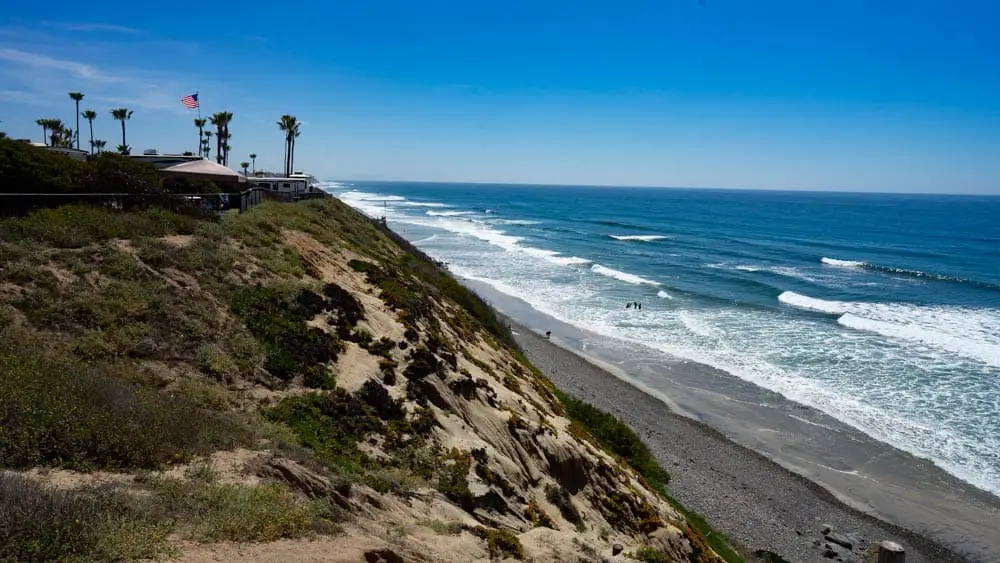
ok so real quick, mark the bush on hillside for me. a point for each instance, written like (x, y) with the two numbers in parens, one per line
(616, 436)
(28, 169)
(59, 410)
(190, 186)
(277, 318)
(43, 524)
(111, 173)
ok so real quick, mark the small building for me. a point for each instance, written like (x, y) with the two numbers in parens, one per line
(76, 154)
(292, 186)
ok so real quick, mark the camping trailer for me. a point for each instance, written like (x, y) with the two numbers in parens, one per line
(295, 185)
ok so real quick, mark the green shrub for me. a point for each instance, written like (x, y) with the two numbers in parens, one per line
(58, 410)
(617, 437)
(75, 226)
(28, 169)
(43, 524)
(454, 480)
(112, 173)
(501, 543)
(209, 511)
(560, 497)
(190, 186)
(331, 424)
(652, 555)
(277, 317)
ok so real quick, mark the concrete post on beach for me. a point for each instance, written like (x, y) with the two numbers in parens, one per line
(890, 552)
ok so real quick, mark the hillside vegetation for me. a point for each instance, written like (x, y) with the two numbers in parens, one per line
(291, 383)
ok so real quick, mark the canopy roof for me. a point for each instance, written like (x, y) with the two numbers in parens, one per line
(204, 169)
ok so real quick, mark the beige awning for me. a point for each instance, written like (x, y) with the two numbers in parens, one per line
(204, 169)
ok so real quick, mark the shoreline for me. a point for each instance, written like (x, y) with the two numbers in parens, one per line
(734, 487)
(808, 469)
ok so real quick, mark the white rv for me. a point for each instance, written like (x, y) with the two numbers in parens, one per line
(294, 186)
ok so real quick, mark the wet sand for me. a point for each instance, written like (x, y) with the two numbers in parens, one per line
(767, 472)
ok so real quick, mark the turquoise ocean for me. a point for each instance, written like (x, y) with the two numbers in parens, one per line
(882, 311)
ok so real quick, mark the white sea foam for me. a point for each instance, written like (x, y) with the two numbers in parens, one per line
(641, 238)
(424, 204)
(936, 327)
(433, 213)
(842, 263)
(663, 295)
(486, 233)
(368, 196)
(970, 333)
(622, 276)
(812, 304)
(513, 222)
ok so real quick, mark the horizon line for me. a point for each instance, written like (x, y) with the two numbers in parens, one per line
(657, 187)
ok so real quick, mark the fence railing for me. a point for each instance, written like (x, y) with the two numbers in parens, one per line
(20, 204)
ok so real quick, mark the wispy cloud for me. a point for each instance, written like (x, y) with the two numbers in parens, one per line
(87, 27)
(41, 62)
(38, 78)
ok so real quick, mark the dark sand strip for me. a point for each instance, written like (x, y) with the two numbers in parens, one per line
(753, 500)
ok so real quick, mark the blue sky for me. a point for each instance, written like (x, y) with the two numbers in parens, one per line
(872, 95)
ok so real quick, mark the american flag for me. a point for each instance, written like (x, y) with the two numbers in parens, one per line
(190, 101)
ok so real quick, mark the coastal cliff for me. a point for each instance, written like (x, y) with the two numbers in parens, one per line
(293, 383)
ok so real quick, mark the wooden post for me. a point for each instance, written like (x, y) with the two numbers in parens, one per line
(890, 552)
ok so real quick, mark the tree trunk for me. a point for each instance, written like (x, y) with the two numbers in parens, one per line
(285, 163)
(91, 136)
(218, 145)
(291, 158)
(123, 133)
(77, 124)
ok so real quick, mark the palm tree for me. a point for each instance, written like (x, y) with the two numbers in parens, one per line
(289, 125)
(124, 149)
(66, 138)
(77, 97)
(217, 120)
(90, 115)
(291, 154)
(200, 124)
(99, 145)
(245, 165)
(122, 114)
(221, 121)
(253, 161)
(44, 124)
(207, 143)
(56, 129)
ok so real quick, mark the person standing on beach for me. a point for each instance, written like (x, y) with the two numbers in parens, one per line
(639, 306)
(628, 305)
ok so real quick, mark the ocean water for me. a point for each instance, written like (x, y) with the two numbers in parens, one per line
(882, 311)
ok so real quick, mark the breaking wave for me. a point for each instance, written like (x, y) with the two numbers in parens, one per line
(622, 276)
(905, 272)
(641, 238)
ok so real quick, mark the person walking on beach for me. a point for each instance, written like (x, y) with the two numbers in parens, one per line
(639, 306)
